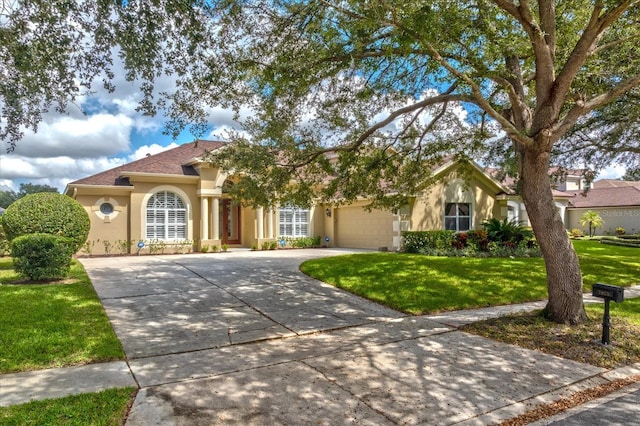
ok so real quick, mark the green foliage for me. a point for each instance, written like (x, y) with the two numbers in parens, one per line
(507, 231)
(8, 197)
(105, 408)
(629, 241)
(632, 174)
(157, 246)
(593, 220)
(5, 246)
(48, 213)
(204, 248)
(576, 233)
(301, 242)
(498, 239)
(417, 241)
(42, 256)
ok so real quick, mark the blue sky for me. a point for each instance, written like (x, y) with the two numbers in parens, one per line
(95, 134)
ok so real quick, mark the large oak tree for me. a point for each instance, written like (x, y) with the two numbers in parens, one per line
(371, 93)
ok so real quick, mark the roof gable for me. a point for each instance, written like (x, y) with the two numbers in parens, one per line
(176, 161)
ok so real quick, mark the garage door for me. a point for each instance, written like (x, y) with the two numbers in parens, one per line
(358, 228)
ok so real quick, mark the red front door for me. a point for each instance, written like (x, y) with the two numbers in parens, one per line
(230, 230)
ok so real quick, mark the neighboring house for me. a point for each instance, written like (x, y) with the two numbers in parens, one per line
(176, 198)
(616, 201)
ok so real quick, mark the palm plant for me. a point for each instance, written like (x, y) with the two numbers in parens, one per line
(506, 230)
(592, 219)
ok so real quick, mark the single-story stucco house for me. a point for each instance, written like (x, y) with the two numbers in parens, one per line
(177, 198)
(616, 201)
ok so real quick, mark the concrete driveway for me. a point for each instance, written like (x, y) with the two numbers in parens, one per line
(174, 304)
(245, 338)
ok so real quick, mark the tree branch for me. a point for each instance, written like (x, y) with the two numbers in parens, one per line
(582, 107)
(440, 99)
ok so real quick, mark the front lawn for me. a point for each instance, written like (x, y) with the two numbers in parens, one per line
(418, 284)
(106, 408)
(54, 324)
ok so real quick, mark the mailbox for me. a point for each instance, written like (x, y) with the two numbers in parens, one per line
(608, 292)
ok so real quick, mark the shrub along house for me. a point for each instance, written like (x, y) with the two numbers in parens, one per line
(175, 198)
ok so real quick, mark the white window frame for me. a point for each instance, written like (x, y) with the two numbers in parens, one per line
(293, 221)
(167, 219)
(457, 217)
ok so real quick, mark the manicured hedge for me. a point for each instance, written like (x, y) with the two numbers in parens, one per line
(47, 213)
(42, 256)
(627, 241)
(417, 241)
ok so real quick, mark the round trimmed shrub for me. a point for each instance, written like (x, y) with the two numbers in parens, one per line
(42, 256)
(47, 213)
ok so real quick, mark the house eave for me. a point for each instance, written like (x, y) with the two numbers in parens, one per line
(72, 189)
(160, 177)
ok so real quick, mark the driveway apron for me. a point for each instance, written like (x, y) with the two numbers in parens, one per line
(245, 338)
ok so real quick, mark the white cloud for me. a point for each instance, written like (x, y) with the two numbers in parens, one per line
(89, 136)
(615, 171)
(152, 149)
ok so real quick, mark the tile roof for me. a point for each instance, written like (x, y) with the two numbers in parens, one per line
(173, 161)
(624, 196)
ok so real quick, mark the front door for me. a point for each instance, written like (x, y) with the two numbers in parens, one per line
(230, 213)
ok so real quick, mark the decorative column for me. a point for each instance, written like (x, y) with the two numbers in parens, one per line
(204, 218)
(260, 222)
(216, 218)
(269, 234)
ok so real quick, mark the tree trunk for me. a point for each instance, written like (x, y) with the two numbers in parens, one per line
(564, 278)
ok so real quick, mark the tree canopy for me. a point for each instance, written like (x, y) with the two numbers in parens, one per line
(370, 93)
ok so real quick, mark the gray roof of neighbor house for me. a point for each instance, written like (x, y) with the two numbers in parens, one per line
(614, 183)
(612, 196)
(176, 161)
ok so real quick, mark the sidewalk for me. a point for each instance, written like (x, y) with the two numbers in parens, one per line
(409, 369)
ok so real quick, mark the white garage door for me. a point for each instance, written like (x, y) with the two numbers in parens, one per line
(358, 228)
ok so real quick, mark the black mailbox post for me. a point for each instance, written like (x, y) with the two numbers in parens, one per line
(608, 293)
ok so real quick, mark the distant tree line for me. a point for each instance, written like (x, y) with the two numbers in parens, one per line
(8, 197)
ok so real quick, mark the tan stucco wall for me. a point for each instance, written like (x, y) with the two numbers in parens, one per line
(110, 229)
(625, 217)
(427, 211)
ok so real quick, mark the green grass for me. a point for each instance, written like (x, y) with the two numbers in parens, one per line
(629, 310)
(106, 408)
(615, 265)
(52, 325)
(418, 284)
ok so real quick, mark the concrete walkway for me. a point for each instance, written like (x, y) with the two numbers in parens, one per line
(245, 338)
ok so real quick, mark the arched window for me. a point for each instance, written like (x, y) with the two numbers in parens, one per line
(166, 217)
